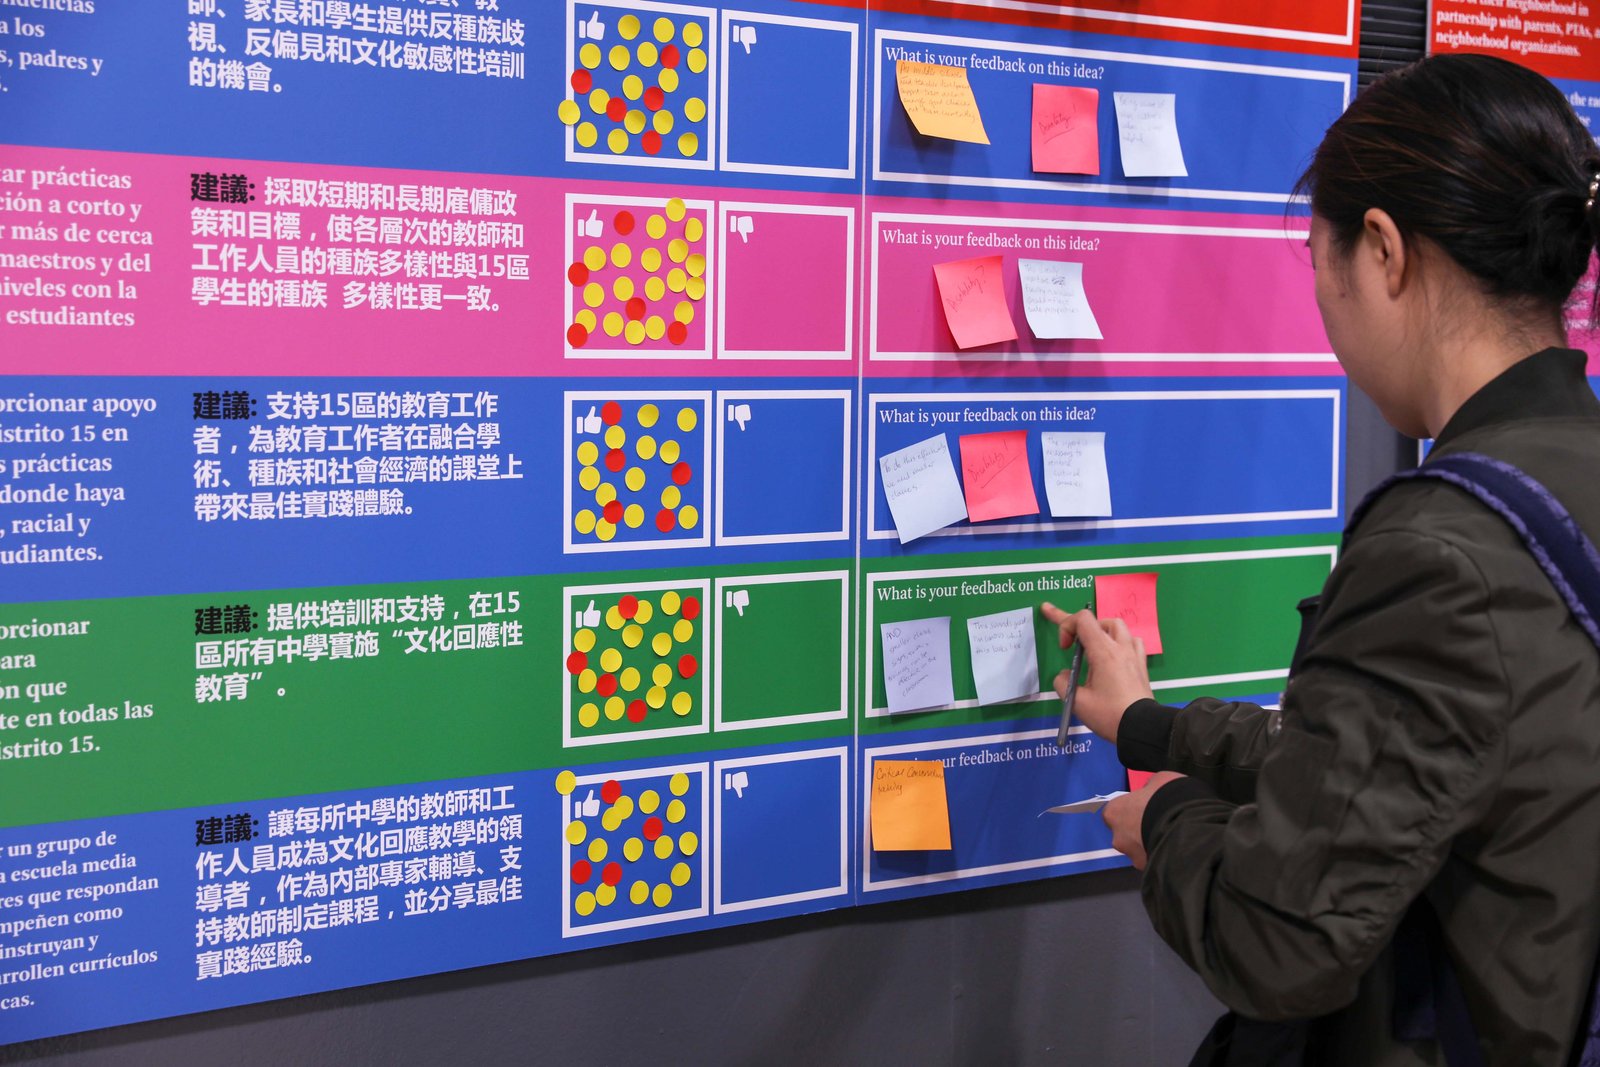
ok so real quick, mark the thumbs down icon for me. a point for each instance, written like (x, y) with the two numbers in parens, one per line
(738, 781)
(743, 225)
(739, 413)
(745, 35)
(739, 599)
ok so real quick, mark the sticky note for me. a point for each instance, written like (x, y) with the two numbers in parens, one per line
(920, 484)
(910, 809)
(973, 295)
(916, 664)
(1076, 482)
(1147, 129)
(1054, 300)
(939, 101)
(995, 472)
(1137, 779)
(1005, 658)
(1066, 129)
(1131, 598)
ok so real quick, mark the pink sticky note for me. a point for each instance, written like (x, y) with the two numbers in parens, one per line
(996, 477)
(1066, 129)
(1131, 598)
(973, 293)
(1137, 779)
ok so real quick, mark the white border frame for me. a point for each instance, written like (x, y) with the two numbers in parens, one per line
(724, 207)
(725, 585)
(722, 766)
(735, 395)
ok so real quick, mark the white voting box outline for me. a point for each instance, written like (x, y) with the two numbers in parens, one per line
(964, 45)
(1243, 29)
(570, 597)
(570, 401)
(843, 886)
(739, 207)
(868, 885)
(876, 533)
(723, 586)
(726, 396)
(597, 154)
(590, 780)
(1243, 233)
(708, 305)
(870, 631)
(729, 18)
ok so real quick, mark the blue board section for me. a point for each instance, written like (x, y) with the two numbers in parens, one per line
(1584, 96)
(780, 115)
(801, 442)
(773, 849)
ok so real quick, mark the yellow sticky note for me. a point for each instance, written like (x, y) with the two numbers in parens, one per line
(940, 102)
(910, 811)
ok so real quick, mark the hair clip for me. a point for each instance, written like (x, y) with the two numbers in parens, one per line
(1594, 191)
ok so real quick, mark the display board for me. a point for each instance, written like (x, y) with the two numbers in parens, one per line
(493, 479)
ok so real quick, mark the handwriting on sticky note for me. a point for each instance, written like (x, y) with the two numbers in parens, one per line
(996, 475)
(939, 101)
(1076, 482)
(910, 809)
(1066, 129)
(973, 295)
(919, 482)
(1131, 598)
(1054, 300)
(916, 664)
(1005, 656)
(1147, 130)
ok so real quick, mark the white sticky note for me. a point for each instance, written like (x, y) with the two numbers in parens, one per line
(1076, 481)
(1083, 807)
(920, 485)
(1054, 300)
(1147, 127)
(1005, 659)
(916, 664)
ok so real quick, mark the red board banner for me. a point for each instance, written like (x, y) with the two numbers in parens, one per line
(1557, 38)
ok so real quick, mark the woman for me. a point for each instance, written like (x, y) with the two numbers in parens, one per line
(1436, 767)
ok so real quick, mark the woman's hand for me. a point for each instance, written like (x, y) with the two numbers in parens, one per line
(1125, 816)
(1118, 673)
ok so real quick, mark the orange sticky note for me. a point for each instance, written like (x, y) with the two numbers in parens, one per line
(939, 101)
(1066, 129)
(995, 475)
(910, 811)
(973, 294)
(1131, 598)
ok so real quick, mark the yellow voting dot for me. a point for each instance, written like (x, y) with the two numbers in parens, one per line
(647, 53)
(677, 279)
(670, 600)
(679, 784)
(566, 782)
(605, 894)
(649, 800)
(628, 26)
(567, 111)
(656, 697)
(633, 87)
(656, 227)
(583, 640)
(684, 312)
(615, 706)
(576, 832)
(619, 57)
(648, 414)
(605, 530)
(688, 419)
(668, 452)
(584, 520)
(661, 644)
(623, 806)
(677, 250)
(594, 294)
(588, 716)
(645, 613)
(676, 209)
(587, 135)
(621, 254)
(676, 811)
(634, 479)
(598, 849)
(694, 108)
(655, 327)
(589, 55)
(610, 660)
(645, 446)
(612, 823)
(664, 29)
(632, 849)
(688, 144)
(661, 896)
(622, 289)
(697, 60)
(682, 631)
(634, 122)
(598, 101)
(629, 679)
(594, 258)
(650, 259)
(616, 437)
(688, 842)
(634, 332)
(680, 874)
(694, 34)
(661, 674)
(584, 904)
(682, 703)
(586, 680)
(588, 453)
(663, 846)
(688, 517)
(632, 635)
(614, 619)
(654, 288)
(662, 122)
(695, 265)
(586, 319)
(695, 289)
(639, 892)
(694, 230)
(671, 497)
(617, 141)
(633, 516)
(668, 80)
(613, 324)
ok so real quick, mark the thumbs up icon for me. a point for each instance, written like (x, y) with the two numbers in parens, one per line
(591, 226)
(589, 806)
(593, 30)
(588, 424)
(587, 619)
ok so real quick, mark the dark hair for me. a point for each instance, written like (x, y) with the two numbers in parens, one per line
(1479, 155)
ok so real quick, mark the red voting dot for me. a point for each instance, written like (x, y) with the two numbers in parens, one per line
(665, 520)
(652, 828)
(611, 791)
(687, 665)
(577, 274)
(611, 413)
(582, 82)
(582, 872)
(623, 223)
(669, 56)
(577, 336)
(628, 606)
(691, 608)
(682, 473)
(654, 98)
(576, 662)
(677, 333)
(607, 685)
(616, 459)
(611, 873)
(650, 142)
(616, 109)
(637, 711)
(612, 512)
(636, 308)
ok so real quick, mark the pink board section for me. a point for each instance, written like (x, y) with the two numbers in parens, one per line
(788, 281)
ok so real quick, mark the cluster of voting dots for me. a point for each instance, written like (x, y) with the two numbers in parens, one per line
(640, 111)
(685, 276)
(597, 858)
(673, 512)
(629, 616)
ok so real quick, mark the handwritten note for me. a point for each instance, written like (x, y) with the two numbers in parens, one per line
(973, 295)
(1066, 129)
(916, 664)
(1054, 300)
(1076, 481)
(910, 809)
(1131, 598)
(920, 484)
(939, 101)
(995, 471)
(1005, 657)
(1147, 128)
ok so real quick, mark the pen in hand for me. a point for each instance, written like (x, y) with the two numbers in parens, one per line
(1072, 691)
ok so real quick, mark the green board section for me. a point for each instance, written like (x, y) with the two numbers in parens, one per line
(801, 623)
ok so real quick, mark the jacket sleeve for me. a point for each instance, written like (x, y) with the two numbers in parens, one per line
(1220, 742)
(1391, 740)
